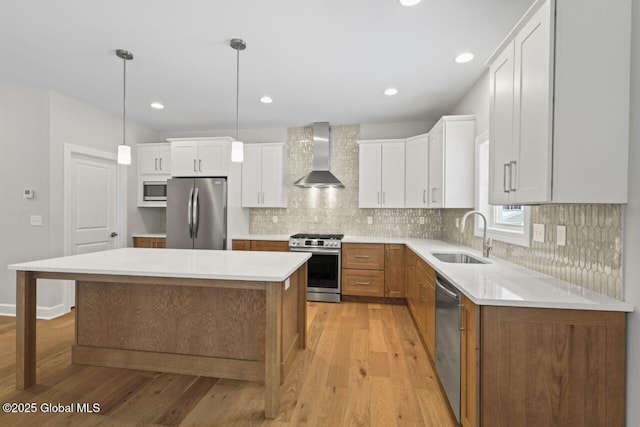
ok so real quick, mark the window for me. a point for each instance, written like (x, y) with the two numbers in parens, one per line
(509, 223)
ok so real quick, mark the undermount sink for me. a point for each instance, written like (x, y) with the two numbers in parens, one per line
(458, 258)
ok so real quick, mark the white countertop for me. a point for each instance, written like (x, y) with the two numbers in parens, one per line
(151, 235)
(182, 263)
(500, 282)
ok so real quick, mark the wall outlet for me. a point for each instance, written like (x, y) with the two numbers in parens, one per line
(274, 219)
(457, 222)
(561, 235)
(369, 220)
(36, 220)
(421, 220)
(538, 233)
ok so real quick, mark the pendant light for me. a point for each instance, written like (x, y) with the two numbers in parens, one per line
(124, 151)
(237, 147)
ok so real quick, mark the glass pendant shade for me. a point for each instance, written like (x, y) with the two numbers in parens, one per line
(237, 152)
(124, 155)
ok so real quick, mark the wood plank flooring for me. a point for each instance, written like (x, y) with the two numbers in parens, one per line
(364, 366)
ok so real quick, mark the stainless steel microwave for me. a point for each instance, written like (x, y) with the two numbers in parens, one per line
(154, 191)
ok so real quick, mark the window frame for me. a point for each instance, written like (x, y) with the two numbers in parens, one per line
(514, 235)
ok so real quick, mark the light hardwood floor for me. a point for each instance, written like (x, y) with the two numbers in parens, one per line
(364, 366)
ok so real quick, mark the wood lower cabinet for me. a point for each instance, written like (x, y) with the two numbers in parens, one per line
(260, 245)
(421, 298)
(149, 242)
(394, 271)
(363, 256)
(369, 283)
(469, 363)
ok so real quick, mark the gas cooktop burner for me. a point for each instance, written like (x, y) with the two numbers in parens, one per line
(318, 236)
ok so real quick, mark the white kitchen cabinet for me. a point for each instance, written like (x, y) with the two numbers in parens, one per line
(559, 106)
(154, 166)
(417, 171)
(154, 159)
(200, 156)
(264, 176)
(451, 163)
(381, 183)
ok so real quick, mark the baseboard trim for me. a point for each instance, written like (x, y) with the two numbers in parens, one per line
(43, 313)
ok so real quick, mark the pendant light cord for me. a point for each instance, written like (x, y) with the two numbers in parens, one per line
(237, 93)
(124, 101)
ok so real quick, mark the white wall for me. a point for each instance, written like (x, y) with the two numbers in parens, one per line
(24, 164)
(631, 272)
(476, 102)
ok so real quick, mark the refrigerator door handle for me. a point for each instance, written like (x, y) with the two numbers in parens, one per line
(190, 214)
(195, 214)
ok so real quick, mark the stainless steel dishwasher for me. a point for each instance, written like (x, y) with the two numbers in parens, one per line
(448, 326)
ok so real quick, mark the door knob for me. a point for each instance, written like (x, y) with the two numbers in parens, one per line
(113, 234)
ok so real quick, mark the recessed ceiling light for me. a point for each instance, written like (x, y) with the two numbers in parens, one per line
(157, 105)
(409, 2)
(464, 57)
(391, 91)
(266, 99)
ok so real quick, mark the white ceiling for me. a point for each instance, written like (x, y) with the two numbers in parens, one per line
(320, 60)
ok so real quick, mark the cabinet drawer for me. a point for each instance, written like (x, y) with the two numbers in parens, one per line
(269, 245)
(363, 256)
(241, 245)
(149, 242)
(363, 283)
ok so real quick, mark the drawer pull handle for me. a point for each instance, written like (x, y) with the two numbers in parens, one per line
(363, 256)
(363, 283)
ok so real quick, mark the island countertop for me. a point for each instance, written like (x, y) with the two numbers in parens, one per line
(180, 263)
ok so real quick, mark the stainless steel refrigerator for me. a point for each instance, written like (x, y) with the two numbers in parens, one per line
(197, 213)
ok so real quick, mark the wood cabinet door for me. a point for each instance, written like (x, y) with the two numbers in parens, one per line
(363, 256)
(469, 363)
(394, 271)
(533, 109)
(251, 176)
(436, 166)
(370, 169)
(241, 245)
(213, 158)
(501, 132)
(364, 283)
(184, 158)
(412, 287)
(416, 172)
(427, 277)
(392, 176)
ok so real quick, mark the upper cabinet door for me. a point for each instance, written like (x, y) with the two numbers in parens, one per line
(251, 176)
(417, 172)
(392, 175)
(533, 109)
(213, 158)
(369, 186)
(164, 159)
(148, 159)
(184, 158)
(501, 139)
(272, 176)
(436, 166)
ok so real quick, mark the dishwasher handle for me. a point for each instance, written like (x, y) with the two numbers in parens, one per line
(447, 291)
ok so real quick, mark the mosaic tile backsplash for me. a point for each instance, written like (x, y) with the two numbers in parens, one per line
(592, 257)
(335, 210)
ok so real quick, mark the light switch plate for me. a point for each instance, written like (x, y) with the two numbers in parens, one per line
(561, 235)
(28, 194)
(287, 283)
(538, 233)
(369, 220)
(36, 220)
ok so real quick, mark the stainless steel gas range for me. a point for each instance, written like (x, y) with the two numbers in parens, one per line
(323, 268)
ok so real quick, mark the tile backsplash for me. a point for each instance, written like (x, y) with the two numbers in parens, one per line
(335, 210)
(592, 257)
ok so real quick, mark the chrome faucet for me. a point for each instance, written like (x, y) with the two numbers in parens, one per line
(487, 243)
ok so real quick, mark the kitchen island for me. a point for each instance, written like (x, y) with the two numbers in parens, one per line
(224, 314)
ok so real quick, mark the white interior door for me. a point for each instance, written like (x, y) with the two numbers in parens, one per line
(93, 222)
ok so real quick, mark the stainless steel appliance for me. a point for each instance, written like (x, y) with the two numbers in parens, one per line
(448, 327)
(154, 191)
(197, 213)
(323, 268)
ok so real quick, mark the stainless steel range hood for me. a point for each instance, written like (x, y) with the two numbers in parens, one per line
(320, 176)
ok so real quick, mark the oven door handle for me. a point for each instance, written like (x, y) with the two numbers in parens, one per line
(316, 251)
